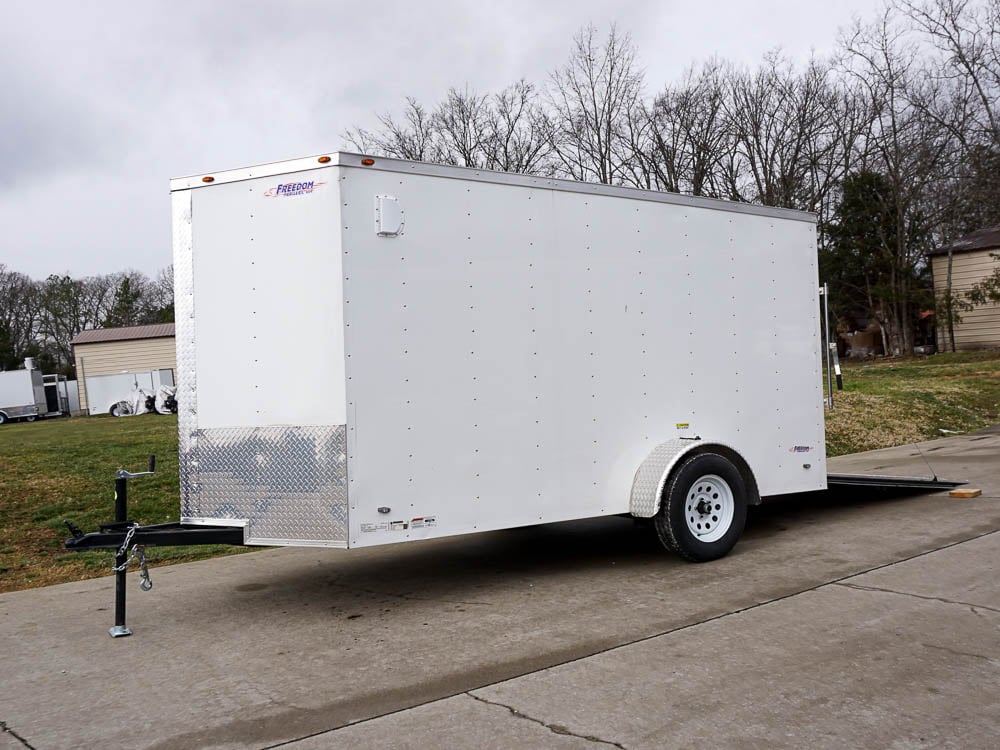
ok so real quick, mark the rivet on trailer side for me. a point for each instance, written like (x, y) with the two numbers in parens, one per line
(497, 351)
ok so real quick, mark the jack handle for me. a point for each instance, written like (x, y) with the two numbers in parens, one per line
(122, 474)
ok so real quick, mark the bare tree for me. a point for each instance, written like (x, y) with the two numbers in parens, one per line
(161, 297)
(966, 72)
(415, 137)
(461, 125)
(783, 133)
(594, 99)
(689, 137)
(508, 131)
(968, 35)
(520, 132)
(518, 137)
(850, 115)
(69, 306)
(911, 149)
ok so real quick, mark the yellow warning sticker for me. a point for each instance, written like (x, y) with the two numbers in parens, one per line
(682, 425)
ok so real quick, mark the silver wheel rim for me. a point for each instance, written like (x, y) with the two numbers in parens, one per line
(709, 508)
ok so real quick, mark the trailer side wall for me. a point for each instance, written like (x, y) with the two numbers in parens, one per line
(515, 354)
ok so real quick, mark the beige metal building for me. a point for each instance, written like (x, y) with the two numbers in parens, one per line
(971, 261)
(138, 350)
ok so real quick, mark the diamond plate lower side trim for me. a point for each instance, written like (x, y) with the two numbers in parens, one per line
(288, 483)
(296, 543)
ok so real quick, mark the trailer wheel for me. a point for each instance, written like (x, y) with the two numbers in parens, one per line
(3, 418)
(30, 418)
(704, 508)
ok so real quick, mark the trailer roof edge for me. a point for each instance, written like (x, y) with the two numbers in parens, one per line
(403, 166)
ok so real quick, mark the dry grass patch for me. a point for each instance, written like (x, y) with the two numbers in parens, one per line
(898, 401)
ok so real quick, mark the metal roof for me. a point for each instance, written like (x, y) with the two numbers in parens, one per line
(986, 238)
(403, 166)
(97, 335)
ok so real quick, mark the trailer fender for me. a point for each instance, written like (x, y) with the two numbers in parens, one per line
(653, 472)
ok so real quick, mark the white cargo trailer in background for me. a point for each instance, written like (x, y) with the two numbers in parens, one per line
(500, 350)
(28, 394)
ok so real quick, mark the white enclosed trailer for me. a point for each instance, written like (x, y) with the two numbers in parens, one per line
(499, 350)
(27, 394)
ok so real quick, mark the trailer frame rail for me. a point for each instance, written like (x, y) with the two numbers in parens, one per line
(897, 483)
(112, 535)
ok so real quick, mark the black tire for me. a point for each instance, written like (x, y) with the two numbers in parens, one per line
(691, 499)
(31, 418)
(3, 418)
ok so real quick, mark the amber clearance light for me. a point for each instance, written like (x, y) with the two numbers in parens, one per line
(208, 179)
(323, 159)
(367, 162)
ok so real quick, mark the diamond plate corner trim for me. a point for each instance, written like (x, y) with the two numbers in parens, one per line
(187, 390)
(286, 483)
(647, 486)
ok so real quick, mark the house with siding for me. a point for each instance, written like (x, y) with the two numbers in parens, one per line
(111, 360)
(973, 258)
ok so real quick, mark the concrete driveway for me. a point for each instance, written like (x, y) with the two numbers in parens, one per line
(851, 621)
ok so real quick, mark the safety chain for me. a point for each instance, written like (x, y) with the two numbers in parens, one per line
(137, 551)
(124, 549)
(145, 582)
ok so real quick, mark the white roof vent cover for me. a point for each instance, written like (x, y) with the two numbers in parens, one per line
(389, 218)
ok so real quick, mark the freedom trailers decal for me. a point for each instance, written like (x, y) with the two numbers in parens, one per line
(292, 189)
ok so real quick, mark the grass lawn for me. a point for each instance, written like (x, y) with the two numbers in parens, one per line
(64, 468)
(890, 402)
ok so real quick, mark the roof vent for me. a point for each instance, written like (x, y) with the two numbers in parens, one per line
(388, 216)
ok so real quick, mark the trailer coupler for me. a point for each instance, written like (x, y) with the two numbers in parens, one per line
(129, 540)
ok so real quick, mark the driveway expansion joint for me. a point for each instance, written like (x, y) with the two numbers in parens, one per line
(877, 589)
(7, 730)
(957, 652)
(554, 728)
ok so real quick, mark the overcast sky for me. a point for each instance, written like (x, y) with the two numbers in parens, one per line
(103, 102)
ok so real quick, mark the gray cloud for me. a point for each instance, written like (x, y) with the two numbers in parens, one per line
(103, 102)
